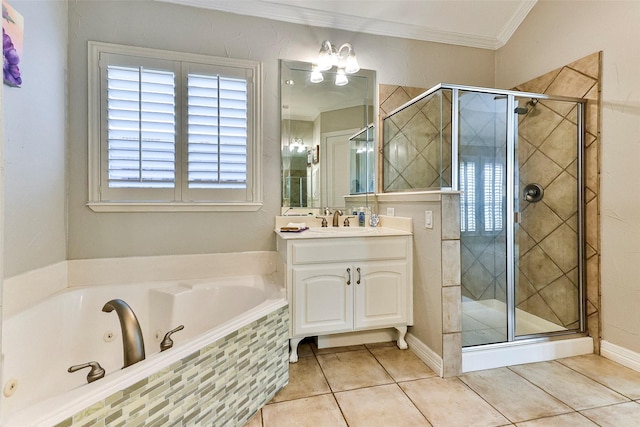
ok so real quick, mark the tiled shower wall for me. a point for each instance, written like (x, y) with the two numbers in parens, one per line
(580, 79)
(417, 144)
(223, 384)
(390, 98)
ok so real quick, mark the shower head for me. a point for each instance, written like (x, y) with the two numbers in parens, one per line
(524, 110)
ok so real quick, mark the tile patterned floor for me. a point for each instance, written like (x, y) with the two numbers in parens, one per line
(380, 386)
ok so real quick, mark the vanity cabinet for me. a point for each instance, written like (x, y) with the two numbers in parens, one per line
(347, 284)
(345, 297)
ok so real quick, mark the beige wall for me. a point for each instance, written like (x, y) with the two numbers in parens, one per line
(34, 118)
(173, 27)
(559, 32)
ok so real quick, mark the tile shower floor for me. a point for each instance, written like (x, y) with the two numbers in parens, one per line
(485, 322)
(380, 385)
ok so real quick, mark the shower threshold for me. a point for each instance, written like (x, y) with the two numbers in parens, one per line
(484, 322)
(486, 318)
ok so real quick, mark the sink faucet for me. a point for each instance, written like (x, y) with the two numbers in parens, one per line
(132, 342)
(336, 214)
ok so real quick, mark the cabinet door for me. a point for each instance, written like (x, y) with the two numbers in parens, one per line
(381, 295)
(322, 299)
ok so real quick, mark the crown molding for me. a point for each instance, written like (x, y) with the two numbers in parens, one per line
(319, 18)
(514, 22)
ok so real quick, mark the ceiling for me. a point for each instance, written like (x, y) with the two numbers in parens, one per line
(486, 24)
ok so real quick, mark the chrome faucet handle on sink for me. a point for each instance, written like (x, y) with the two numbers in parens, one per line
(324, 220)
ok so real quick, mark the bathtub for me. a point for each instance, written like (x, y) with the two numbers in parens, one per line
(235, 330)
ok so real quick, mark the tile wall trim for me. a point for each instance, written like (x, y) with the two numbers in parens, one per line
(224, 383)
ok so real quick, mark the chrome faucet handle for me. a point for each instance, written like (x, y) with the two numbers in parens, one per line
(95, 373)
(167, 342)
(324, 220)
(346, 220)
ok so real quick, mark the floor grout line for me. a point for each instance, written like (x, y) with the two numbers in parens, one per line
(571, 410)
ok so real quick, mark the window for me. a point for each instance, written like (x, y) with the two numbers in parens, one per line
(482, 200)
(468, 196)
(172, 131)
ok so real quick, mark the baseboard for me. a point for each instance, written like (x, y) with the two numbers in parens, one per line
(621, 355)
(425, 354)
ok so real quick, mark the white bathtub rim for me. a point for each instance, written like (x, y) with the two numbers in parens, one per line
(26, 289)
(52, 411)
(269, 285)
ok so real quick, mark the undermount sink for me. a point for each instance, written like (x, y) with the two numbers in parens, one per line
(330, 230)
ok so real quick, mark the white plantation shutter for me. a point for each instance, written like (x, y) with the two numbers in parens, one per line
(141, 128)
(169, 128)
(493, 196)
(468, 196)
(488, 192)
(217, 116)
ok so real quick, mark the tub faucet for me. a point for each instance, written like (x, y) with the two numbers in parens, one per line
(336, 214)
(132, 342)
(94, 374)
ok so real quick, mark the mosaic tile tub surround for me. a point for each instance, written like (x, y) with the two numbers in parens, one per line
(223, 384)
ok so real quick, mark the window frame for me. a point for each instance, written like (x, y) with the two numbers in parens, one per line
(254, 200)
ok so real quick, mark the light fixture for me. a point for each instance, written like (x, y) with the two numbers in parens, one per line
(316, 75)
(296, 144)
(341, 77)
(343, 58)
(327, 56)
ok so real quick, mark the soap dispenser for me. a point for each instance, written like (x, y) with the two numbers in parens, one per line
(361, 217)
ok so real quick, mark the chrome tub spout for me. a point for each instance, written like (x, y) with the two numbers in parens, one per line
(132, 342)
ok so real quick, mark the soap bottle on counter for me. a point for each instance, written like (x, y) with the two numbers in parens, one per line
(361, 217)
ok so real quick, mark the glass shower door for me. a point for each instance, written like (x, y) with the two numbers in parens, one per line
(547, 221)
(482, 179)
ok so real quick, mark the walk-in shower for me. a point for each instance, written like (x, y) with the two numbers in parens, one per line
(517, 160)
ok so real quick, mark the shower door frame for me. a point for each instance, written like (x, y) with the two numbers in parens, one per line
(510, 201)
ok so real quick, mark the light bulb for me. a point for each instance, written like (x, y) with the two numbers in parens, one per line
(341, 78)
(351, 65)
(316, 75)
(325, 57)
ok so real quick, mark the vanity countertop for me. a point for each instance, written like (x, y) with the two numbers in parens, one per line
(389, 226)
(333, 232)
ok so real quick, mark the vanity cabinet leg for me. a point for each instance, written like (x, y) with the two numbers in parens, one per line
(293, 343)
(402, 331)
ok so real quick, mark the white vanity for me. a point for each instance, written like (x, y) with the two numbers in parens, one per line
(347, 279)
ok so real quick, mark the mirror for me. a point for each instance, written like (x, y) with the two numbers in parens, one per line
(324, 128)
(362, 161)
